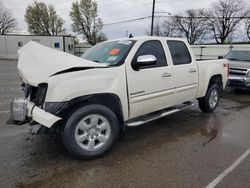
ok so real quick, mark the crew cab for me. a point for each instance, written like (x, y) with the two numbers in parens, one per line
(117, 83)
(239, 68)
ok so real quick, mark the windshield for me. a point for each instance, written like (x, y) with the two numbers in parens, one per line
(238, 56)
(110, 53)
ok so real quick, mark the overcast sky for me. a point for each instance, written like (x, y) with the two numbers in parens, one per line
(113, 11)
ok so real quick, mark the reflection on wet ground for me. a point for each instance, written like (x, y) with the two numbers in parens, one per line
(188, 149)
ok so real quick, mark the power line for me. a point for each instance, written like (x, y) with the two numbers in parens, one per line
(207, 17)
(126, 21)
(185, 17)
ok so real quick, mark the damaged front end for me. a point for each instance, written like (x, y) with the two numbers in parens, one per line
(30, 109)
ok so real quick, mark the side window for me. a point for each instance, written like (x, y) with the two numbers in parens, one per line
(155, 48)
(179, 52)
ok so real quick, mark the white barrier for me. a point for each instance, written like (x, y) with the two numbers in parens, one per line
(213, 51)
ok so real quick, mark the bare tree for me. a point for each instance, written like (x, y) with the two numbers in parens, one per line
(224, 16)
(86, 21)
(168, 28)
(7, 21)
(193, 25)
(42, 19)
(247, 24)
(165, 29)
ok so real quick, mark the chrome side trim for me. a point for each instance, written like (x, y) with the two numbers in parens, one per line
(151, 96)
(161, 114)
(185, 88)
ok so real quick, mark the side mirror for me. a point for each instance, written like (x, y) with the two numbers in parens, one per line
(220, 57)
(144, 60)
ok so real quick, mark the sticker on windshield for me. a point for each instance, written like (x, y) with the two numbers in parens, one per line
(112, 58)
(114, 51)
(127, 42)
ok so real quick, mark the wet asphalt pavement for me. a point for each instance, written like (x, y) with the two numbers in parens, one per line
(188, 149)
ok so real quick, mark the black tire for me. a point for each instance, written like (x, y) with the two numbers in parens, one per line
(204, 102)
(68, 133)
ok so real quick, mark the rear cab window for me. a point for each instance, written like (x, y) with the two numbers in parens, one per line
(179, 52)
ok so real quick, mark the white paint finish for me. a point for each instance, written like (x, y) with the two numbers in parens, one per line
(207, 69)
(186, 79)
(228, 170)
(182, 81)
(150, 91)
(37, 114)
(37, 62)
(154, 91)
(65, 87)
(149, 96)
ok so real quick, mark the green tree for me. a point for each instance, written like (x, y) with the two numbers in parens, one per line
(42, 19)
(86, 21)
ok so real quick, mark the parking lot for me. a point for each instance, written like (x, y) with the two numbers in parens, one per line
(188, 149)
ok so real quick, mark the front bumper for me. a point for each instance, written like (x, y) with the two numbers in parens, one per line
(22, 109)
(239, 81)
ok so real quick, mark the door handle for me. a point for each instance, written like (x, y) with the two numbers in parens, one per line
(166, 74)
(192, 70)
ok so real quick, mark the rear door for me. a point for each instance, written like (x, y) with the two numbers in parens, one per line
(185, 71)
(151, 88)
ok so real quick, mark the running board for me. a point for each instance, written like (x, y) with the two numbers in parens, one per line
(158, 115)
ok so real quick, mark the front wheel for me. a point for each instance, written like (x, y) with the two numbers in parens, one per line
(90, 131)
(209, 103)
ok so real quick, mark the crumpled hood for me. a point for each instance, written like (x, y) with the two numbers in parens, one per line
(36, 63)
(239, 64)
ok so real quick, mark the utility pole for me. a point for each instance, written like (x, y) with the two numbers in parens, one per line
(153, 16)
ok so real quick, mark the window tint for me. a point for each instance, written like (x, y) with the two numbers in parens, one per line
(179, 52)
(153, 47)
(57, 45)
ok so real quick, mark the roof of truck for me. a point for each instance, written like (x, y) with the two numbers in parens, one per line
(151, 37)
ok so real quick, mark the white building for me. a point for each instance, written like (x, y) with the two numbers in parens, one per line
(10, 44)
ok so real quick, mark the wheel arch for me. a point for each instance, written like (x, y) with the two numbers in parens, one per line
(216, 79)
(109, 100)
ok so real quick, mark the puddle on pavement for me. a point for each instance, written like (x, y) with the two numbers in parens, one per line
(50, 163)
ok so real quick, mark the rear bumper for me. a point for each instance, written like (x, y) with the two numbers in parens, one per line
(239, 81)
(22, 109)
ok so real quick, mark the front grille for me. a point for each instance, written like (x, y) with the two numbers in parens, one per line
(235, 71)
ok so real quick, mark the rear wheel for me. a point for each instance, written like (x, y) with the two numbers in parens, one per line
(209, 103)
(90, 131)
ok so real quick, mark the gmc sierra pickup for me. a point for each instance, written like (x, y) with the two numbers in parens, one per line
(118, 83)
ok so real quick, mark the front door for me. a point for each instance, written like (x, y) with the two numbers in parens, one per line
(151, 87)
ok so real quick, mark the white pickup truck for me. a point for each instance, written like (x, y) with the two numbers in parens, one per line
(118, 83)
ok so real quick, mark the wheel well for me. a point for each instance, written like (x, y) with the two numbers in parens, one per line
(109, 100)
(216, 79)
